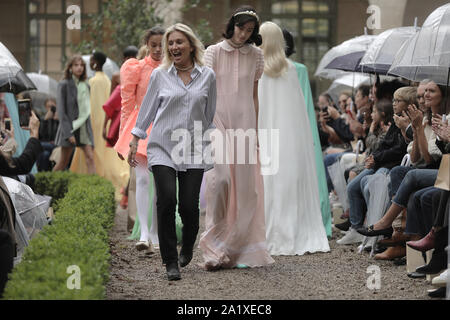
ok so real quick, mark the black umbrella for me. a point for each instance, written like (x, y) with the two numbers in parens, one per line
(348, 62)
(15, 84)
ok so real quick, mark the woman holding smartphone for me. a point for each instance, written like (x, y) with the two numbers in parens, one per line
(74, 109)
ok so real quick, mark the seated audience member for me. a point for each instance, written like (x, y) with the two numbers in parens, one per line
(434, 222)
(388, 155)
(333, 124)
(381, 116)
(12, 166)
(425, 156)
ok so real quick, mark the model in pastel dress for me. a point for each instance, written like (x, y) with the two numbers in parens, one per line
(135, 76)
(107, 164)
(302, 73)
(74, 109)
(234, 233)
(291, 195)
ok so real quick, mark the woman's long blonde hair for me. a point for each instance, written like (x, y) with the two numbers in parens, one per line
(199, 49)
(275, 62)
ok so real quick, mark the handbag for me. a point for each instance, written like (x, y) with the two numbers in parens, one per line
(443, 177)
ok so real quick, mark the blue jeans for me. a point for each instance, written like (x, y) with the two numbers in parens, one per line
(43, 160)
(414, 180)
(419, 217)
(328, 160)
(358, 196)
(397, 175)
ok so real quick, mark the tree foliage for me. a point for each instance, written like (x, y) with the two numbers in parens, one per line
(121, 23)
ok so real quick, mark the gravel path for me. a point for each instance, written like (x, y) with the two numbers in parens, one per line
(339, 274)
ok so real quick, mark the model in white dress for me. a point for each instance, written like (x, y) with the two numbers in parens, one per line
(292, 206)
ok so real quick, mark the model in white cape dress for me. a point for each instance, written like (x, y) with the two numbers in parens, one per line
(292, 206)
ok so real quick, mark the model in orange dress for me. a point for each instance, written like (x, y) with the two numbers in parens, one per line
(134, 79)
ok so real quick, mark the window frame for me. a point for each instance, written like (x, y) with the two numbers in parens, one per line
(330, 39)
(62, 17)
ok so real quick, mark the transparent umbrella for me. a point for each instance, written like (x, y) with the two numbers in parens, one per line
(360, 43)
(381, 53)
(349, 81)
(427, 53)
(44, 83)
(348, 62)
(12, 77)
(109, 68)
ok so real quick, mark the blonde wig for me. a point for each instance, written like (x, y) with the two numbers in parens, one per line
(275, 62)
(199, 49)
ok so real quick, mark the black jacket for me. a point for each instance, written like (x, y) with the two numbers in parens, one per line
(443, 146)
(342, 129)
(24, 163)
(48, 129)
(391, 150)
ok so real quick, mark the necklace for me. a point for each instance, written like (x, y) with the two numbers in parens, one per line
(185, 68)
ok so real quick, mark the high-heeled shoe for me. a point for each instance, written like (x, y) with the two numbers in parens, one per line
(424, 244)
(370, 232)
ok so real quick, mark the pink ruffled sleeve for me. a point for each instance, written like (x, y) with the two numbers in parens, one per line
(129, 79)
(259, 64)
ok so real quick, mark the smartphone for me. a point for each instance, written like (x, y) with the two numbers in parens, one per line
(444, 118)
(24, 112)
(8, 124)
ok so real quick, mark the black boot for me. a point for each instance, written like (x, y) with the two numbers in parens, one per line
(185, 256)
(438, 260)
(173, 273)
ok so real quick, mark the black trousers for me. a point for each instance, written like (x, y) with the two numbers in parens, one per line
(441, 208)
(6, 258)
(189, 184)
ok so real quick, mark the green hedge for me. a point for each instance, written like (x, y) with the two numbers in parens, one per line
(79, 235)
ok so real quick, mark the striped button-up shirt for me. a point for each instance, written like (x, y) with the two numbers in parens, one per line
(181, 114)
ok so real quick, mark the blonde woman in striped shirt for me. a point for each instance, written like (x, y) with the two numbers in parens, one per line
(181, 94)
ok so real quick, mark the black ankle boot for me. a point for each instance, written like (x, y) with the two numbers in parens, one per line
(173, 273)
(185, 256)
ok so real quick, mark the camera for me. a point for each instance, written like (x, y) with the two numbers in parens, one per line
(24, 112)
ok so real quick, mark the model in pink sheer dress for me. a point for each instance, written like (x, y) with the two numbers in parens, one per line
(234, 233)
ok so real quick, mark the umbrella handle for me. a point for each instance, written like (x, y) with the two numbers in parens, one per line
(406, 161)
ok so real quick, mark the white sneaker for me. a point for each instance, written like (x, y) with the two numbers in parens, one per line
(142, 245)
(351, 237)
(442, 279)
(333, 198)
